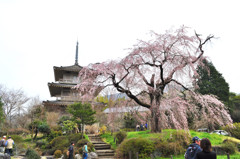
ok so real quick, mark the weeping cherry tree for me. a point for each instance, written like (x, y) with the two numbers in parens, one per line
(158, 74)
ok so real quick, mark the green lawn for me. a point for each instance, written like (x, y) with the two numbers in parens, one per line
(235, 156)
(214, 138)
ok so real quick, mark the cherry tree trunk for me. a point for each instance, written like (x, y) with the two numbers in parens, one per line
(155, 124)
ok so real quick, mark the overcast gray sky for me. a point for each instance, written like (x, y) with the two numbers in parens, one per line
(36, 35)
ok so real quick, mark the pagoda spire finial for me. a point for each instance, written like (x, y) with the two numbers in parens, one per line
(76, 57)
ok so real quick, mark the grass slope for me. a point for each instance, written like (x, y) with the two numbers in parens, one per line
(214, 138)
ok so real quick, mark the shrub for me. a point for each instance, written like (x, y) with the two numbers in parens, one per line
(17, 138)
(32, 154)
(182, 137)
(141, 145)
(40, 143)
(176, 144)
(165, 148)
(229, 146)
(54, 134)
(57, 153)
(103, 129)
(65, 153)
(59, 143)
(75, 137)
(44, 128)
(120, 136)
(91, 129)
(233, 129)
(81, 142)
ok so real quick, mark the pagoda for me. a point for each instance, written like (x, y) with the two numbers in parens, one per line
(66, 77)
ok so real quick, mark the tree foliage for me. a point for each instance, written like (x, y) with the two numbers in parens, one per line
(82, 113)
(234, 105)
(68, 126)
(154, 74)
(37, 116)
(212, 82)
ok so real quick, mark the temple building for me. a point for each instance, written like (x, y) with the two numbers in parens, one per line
(66, 77)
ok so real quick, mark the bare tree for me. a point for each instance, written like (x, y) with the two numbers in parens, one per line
(13, 102)
(154, 74)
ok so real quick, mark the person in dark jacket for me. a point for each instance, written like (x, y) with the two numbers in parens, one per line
(71, 149)
(193, 148)
(206, 152)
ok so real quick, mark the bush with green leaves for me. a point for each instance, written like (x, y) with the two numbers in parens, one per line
(54, 134)
(75, 137)
(32, 154)
(229, 146)
(41, 144)
(81, 142)
(182, 137)
(58, 153)
(120, 136)
(59, 143)
(176, 144)
(17, 138)
(165, 148)
(233, 129)
(44, 128)
(143, 146)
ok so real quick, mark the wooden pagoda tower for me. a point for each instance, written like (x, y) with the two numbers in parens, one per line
(66, 77)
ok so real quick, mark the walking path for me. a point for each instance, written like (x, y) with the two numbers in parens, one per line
(103, 149)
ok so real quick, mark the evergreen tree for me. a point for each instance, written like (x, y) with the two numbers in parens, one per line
(83, 114)
(212, 82)
(234, 105)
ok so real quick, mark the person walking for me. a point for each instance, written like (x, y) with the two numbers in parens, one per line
(85, 151)
(206, 152)
(193, 148)
(9, 146)
(2, 144)
(141, 127)
(70, 151)
(137, 127)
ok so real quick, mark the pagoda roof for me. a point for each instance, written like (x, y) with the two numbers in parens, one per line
(73, 68)
(58, 71)
(56, 88)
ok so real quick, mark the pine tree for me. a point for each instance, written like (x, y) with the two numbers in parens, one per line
(212, 82)
(82, 113)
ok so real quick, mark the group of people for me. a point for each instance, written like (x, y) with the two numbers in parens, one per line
(71, 150)
(200, 149)
(141, 127)
(6, 145)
